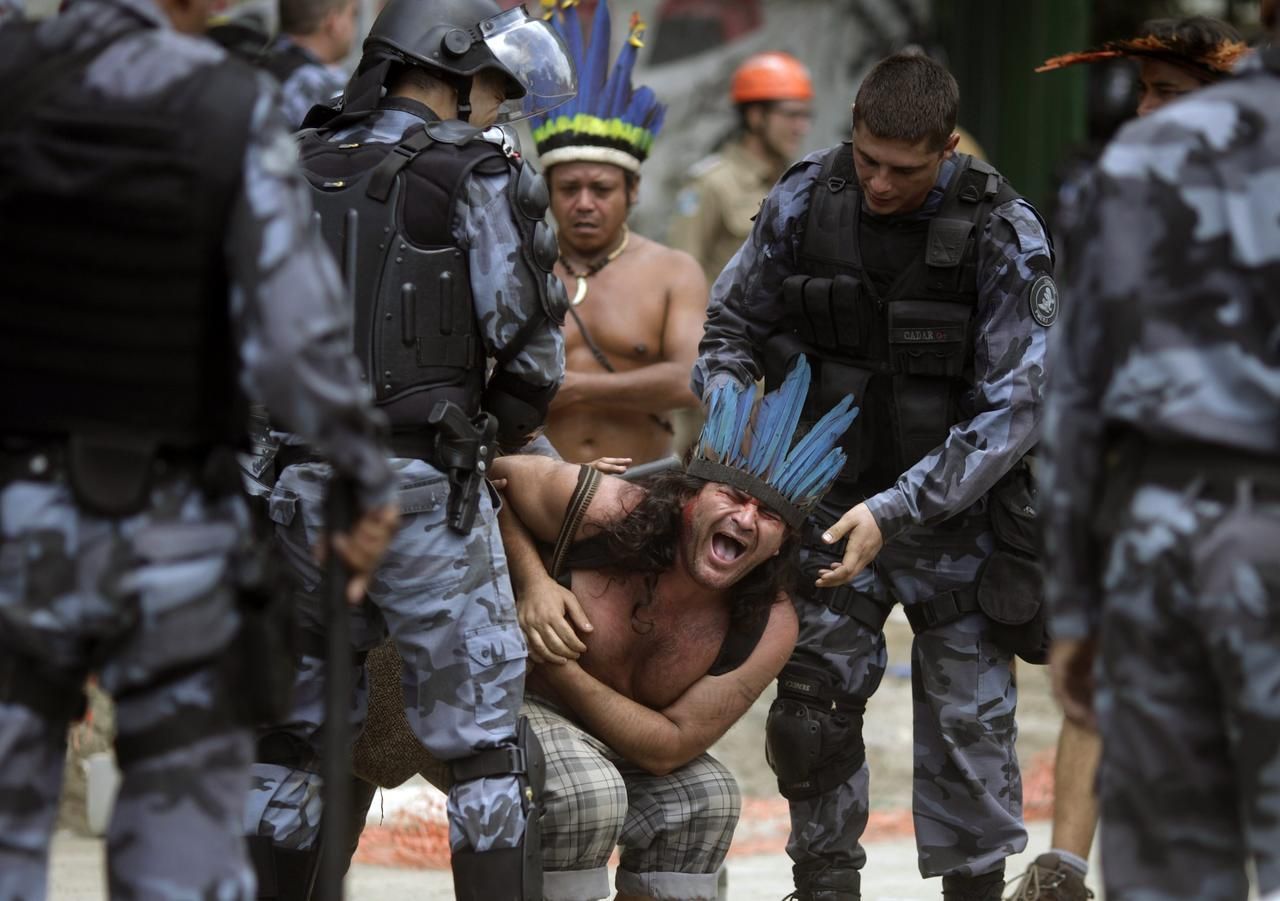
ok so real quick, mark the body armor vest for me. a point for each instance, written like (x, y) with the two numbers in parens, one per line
(884, 310)
(114, 213)
(386, 212)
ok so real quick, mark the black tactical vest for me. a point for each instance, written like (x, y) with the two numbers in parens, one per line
(114, 317)
(884, 310)
(386, 212)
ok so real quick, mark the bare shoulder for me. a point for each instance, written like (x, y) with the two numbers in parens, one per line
(614, 500)
(667, 263)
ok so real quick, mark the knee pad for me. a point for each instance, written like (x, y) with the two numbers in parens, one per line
(812, 740)
(481, 876)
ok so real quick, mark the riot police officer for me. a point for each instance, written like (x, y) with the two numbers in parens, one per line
(921, 282)
(1163, 487)
(158, 257)
(439, 227)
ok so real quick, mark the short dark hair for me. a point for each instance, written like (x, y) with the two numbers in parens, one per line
(305, 16)
(908, 97)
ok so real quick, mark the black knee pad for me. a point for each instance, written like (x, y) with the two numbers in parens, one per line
(481, 876)
(812, 741)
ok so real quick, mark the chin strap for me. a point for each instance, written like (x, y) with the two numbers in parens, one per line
(463, 87)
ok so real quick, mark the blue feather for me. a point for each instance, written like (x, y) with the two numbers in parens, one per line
(776, 422)
(571, 30)
(595, 66)
(618, 91)
(815, 445)
(643, 108)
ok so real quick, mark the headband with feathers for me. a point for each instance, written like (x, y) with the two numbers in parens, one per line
(1217, 62)
(610, 121)
(749, 446)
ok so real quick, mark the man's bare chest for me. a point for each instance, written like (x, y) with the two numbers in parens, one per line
(624, 314)
(641, 647)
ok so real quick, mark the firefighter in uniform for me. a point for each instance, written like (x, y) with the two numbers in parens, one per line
(920, 282)
(772, 93)
(438, 225)
(158, 256)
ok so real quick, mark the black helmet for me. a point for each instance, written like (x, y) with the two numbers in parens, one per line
(461, 38)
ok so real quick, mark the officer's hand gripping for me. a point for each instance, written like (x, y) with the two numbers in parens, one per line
(864, 543)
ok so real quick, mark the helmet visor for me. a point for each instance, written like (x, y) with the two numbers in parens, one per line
(535, 56)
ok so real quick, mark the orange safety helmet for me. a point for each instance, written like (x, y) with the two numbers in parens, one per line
(771, 76)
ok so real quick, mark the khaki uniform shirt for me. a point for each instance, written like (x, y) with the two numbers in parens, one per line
(714, 210)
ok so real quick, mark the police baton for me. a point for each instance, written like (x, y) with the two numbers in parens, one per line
(336, 796)
(670, 463)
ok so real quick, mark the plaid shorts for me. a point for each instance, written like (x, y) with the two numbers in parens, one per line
(673, 830)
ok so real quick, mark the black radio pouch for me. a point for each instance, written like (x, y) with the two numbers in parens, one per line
(1011, 584)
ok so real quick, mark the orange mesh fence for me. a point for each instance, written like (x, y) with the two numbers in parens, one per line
(416, 835)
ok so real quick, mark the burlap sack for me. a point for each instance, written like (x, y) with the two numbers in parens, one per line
(387, 753)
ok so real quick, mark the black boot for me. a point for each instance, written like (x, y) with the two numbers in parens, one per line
(283, 875)
(823, 882)
(985, 887)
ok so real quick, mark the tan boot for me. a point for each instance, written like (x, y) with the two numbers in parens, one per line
(1049, 879)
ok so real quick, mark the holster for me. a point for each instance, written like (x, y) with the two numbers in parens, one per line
(463, 449)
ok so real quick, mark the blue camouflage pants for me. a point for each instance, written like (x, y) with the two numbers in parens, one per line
(145, 603)
(967, 789)
(445, 599)
(1189, 699)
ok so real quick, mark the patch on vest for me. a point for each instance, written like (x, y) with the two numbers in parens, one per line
(1044, 301)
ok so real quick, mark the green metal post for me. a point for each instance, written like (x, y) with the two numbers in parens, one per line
(1025, 122)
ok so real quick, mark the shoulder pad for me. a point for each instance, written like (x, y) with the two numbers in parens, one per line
(703, 166)
(1028, 226)
(505, 139)
(452, 131)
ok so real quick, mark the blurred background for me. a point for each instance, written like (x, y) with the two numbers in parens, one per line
(1030, 126)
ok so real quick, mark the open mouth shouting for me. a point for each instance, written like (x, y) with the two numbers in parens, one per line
(726, 549)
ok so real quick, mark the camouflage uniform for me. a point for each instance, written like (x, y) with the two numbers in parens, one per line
(1164, 408)
(937, 535)
(146, 601)
(444, 598)
(310, 81)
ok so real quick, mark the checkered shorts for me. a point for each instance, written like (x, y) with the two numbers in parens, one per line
(673, 830)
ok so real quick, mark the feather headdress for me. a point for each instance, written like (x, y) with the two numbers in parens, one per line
(610, 121)
(749, 446)
(1213, 62)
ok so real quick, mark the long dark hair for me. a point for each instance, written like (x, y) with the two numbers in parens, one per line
(646, 541)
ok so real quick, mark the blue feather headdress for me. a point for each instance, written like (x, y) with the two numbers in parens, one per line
(753, 453)
(610, 121)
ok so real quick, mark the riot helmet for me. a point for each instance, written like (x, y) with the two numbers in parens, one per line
(455, 40)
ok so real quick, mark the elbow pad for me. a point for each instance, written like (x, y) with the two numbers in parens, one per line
(520, 408)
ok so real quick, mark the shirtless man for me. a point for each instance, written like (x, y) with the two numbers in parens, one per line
(639, 303)
(676, 617)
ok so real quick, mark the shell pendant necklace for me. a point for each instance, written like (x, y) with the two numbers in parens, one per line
(580, 294)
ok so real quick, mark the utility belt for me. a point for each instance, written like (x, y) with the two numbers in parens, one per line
(461, 447)
(1209, 471)
(114, 477)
